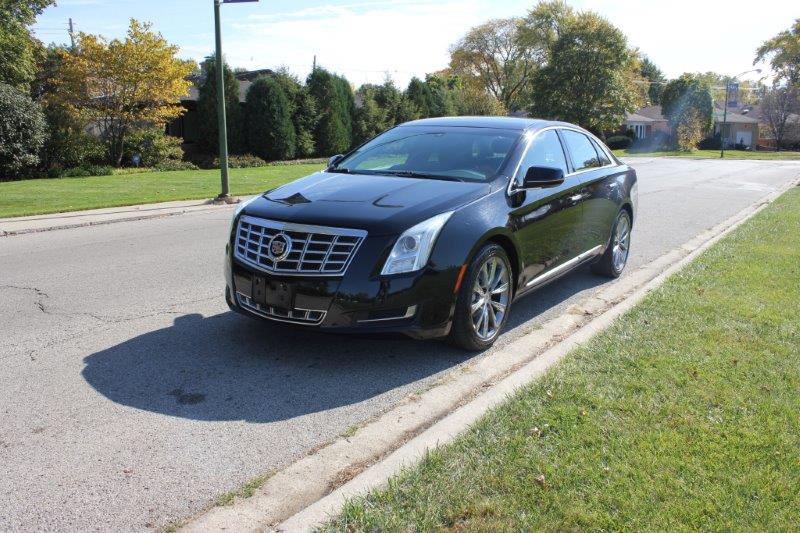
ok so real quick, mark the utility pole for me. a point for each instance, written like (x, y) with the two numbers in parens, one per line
(225, 192)
(72, 33)
(314, 64)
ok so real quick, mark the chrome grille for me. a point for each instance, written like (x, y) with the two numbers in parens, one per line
(310, 317)
(315, 250)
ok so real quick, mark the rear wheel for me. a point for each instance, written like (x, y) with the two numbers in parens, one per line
(613, 261)
(483, 301)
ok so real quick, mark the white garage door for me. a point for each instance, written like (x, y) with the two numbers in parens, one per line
(744, 137)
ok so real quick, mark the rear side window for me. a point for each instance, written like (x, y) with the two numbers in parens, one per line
(581, 151)
(601, 154)
(545, 151)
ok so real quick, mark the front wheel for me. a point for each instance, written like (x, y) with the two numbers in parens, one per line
(483, 301)
(613, 261)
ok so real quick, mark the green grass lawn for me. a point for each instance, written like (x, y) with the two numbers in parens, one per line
(31, 197)
(684, 415)
(714, 154)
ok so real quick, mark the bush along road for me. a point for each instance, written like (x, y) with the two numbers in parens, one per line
(684, 413)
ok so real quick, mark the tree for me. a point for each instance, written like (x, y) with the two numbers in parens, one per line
(779, 106)
(495, 54)
(783, 52)
(651, 73)
(334, 130)
(67, 144)
(268, 120)
(371, 118)
(430, 97)
(208, 123)
(590, 75)
(303, 110)
(687, 101)
(19, 49)
(119, 85)
(22, 131)
(690, 130)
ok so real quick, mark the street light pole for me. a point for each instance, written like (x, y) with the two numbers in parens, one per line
(728, 82)
(224, 194)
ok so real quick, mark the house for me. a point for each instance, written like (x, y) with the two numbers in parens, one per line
(646, 122)
(737, 128)
(185, 126)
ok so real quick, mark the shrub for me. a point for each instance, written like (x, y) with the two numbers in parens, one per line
(618, 142)
(268, 121)
(173, 164)
(153, 146)
(711, 143)
(23, 130)
(86, 171)
(234, 161)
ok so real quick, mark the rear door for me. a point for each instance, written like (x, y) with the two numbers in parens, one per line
(590, 168)
(545, 219)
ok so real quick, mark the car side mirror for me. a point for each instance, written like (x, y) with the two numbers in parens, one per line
(543, 177)
(334, 159)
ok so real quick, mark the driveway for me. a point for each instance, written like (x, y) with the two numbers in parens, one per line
(131, 396)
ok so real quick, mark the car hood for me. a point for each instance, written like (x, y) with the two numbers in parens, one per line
(381, 205)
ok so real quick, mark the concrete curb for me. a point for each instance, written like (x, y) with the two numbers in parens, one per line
(313, 488)
(96, 217)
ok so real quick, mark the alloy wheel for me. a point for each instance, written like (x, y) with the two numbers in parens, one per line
(622, 242)
(490, 296)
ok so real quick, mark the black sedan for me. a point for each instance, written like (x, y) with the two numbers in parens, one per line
(433, 229)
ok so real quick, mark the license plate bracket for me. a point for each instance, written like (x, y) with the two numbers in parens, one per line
(278, 294)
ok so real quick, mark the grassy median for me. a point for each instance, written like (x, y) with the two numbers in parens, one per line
(684, 415)
(714, 154)
(33, 197)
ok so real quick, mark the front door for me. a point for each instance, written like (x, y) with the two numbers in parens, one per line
(546, 219)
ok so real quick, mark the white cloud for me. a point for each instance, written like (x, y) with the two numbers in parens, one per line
(362, 40)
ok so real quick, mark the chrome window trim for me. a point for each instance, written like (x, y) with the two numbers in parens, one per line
(513, 182)
(299, 228)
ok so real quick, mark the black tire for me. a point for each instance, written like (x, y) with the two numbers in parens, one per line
(609, 265)
(463, 332)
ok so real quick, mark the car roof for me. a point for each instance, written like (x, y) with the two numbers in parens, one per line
(505, 123)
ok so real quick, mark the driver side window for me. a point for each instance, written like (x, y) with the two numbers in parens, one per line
(545, 151)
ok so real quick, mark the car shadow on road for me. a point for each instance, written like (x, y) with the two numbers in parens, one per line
(229, 367)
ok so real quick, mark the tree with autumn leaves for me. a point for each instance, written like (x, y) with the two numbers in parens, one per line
(124, 84)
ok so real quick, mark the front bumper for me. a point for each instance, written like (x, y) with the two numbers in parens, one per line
(419, 304)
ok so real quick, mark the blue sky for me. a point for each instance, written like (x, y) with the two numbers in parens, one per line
(365, 39)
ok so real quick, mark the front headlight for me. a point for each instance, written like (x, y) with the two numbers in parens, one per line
(413, 249)
(239, 208)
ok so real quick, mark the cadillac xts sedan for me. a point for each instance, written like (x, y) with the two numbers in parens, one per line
(433, 228)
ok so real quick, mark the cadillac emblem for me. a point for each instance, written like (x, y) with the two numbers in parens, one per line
(279, 247)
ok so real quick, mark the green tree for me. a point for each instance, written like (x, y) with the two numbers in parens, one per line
(495, 54)
(207, 121)
(22, 131)
(303, 110)
(268, 120)
(651, 73)
(67, 144)
(121, 84)
(590, 75)
(334, 99)
(432, 97)
(19, 49)
(687, 100)
(783, 52)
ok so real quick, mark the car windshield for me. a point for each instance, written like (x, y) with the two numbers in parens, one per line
(448, 153)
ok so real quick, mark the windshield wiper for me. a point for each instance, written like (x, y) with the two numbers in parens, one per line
(340, 170)
(423, 175)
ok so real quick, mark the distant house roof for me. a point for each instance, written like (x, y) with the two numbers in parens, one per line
(245, 79)
(649, 114)
(733, 117)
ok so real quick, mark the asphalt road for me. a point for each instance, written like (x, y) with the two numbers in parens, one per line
(130, 396)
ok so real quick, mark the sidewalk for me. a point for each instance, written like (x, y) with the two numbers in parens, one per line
(93, 217)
